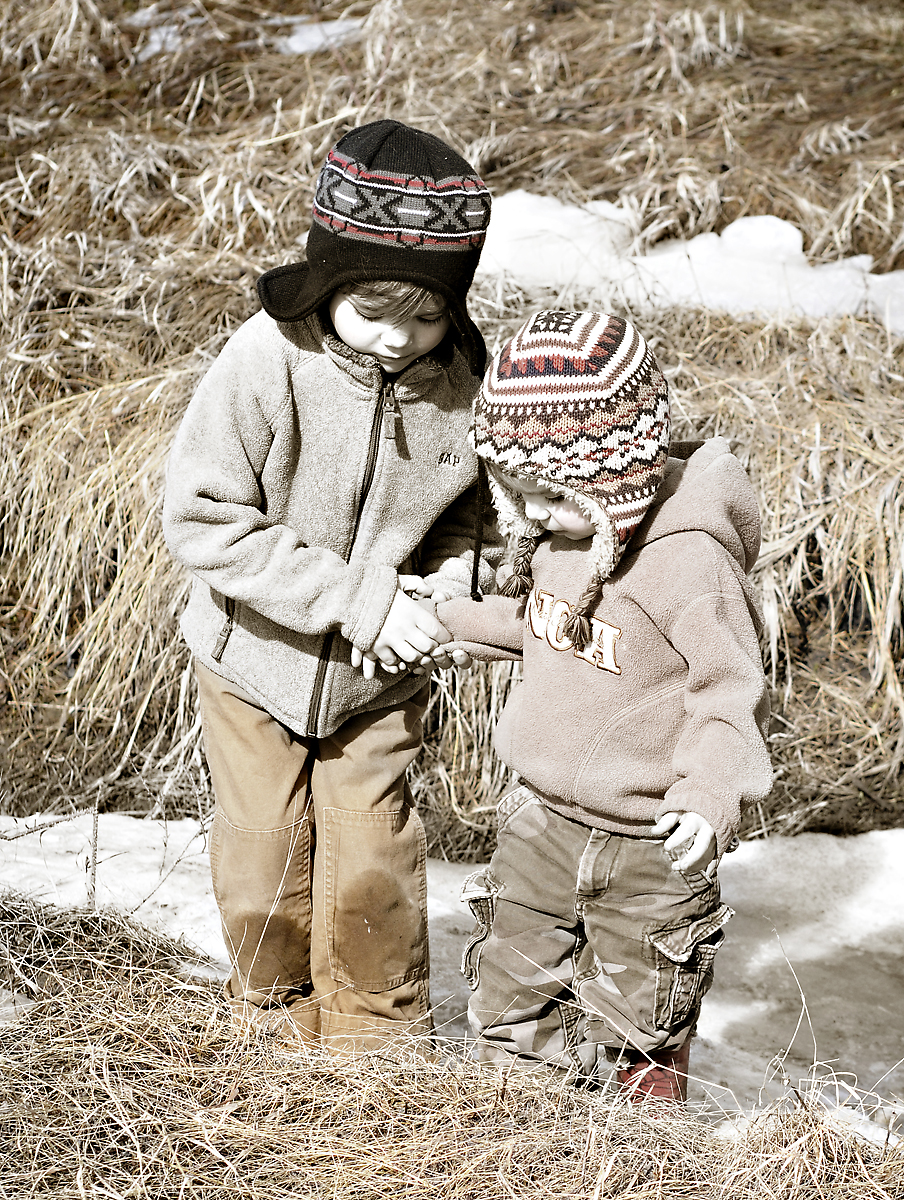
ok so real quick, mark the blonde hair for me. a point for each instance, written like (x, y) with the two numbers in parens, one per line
(392, 298)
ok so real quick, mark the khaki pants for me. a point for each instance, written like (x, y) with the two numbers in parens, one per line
(587, 943)
(319, 867)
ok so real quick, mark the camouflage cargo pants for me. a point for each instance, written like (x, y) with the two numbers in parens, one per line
(586, 943)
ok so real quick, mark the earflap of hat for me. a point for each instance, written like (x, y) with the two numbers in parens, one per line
(283, 292)
(467, 336)
(605, 551)
(509, 507)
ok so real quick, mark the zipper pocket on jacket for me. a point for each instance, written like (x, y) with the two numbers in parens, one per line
(387, 398)
(220, 645)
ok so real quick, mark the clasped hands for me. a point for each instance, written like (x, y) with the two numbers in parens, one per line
(412, 638)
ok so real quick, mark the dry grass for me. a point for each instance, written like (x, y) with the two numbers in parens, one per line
(141, 195)
(124, 1080)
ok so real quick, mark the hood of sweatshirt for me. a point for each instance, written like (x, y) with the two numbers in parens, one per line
(708, 491)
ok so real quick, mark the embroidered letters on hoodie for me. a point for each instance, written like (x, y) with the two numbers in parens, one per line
(545, 617)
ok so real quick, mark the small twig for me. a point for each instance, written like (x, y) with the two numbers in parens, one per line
(92, 874)
(20, 833)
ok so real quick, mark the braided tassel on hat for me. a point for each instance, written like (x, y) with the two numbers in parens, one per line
(520, 580)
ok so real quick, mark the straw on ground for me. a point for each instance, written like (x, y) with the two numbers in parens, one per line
(124, 1079)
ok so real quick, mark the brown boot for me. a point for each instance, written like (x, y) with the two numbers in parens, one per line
(661, 1075)
(295, 1022)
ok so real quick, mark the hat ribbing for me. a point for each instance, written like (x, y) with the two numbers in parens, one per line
(395, 203)
(577, 399)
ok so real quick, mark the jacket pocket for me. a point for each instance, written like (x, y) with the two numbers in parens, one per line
(684, 967)
(479, 893)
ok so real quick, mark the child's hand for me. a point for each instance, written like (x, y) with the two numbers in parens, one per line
(700, 855)
(409, 634)
(414, 585)
(442, 658)
(365, 661)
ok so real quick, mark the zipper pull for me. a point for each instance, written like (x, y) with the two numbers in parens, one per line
(391, 414)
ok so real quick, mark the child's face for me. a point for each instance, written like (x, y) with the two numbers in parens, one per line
(556, 512)
(394, 343)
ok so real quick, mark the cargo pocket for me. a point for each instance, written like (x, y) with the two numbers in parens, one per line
(375, 901)
(684, 967)
(479, 893)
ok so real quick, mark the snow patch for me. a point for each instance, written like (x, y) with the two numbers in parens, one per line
(815, 914)
(169, 33)
(307, 37)
(755, 266)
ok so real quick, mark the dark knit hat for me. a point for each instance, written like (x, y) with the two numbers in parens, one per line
(392, 203)
(576, 399)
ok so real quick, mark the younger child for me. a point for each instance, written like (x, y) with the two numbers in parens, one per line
(320, 478)
(638, 728)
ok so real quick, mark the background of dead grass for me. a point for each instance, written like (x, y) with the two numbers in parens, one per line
(125, 1079)
(141, 196)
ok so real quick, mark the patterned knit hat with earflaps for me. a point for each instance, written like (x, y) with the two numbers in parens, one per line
(391, 203)
(577, 400)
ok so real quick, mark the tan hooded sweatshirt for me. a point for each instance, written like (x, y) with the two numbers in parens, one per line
(667, 708)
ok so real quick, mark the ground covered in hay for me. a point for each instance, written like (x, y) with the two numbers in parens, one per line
(125, 1080)
(152, 165)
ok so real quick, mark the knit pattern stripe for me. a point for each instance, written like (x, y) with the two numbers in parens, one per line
(415, 210)
(578, 399)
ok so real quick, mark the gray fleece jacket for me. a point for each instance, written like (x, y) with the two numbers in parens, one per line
(666, 709)
(299, 485)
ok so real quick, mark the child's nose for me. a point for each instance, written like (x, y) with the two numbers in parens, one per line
(535, 510)
(397, 336)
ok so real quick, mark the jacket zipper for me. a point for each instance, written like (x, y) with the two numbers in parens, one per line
(387, 406)
(217, 653)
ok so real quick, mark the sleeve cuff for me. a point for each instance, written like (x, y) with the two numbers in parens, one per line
(370, 605)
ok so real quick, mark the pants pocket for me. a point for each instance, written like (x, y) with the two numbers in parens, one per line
(479, 893)
(375, 897)
(684, 967)
(262, 885)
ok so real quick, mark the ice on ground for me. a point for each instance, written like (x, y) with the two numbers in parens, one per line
(808, 984)
(307, 37)
(755, 266)
(170, 32)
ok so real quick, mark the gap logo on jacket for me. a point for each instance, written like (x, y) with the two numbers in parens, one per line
(544, 616)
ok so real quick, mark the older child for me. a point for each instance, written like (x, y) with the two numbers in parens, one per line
(638, 728)
(321, 474)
